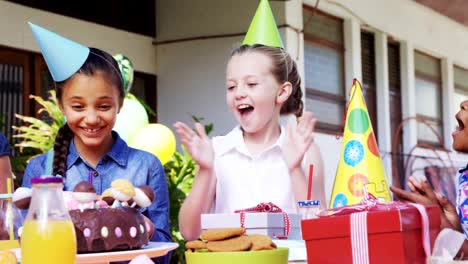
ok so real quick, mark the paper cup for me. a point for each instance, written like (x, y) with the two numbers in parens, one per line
(309, 208)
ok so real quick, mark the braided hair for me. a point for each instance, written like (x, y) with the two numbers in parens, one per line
(284, 69)
(97, 60)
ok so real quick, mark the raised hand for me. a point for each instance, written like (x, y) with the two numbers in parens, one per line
(198, 144)
(298, 140)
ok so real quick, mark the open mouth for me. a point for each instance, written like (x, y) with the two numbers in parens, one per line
(460, 126)
(245, 109)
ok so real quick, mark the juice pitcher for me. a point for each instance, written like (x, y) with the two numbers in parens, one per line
(48, 232)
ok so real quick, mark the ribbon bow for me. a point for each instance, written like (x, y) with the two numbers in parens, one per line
(267, 208)
(261, 208)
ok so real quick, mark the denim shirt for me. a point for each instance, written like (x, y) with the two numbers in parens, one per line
(4, 146)
(121, 162)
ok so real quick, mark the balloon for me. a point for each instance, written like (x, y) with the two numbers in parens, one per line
(126, 68)
(131, 118)
(157, 139)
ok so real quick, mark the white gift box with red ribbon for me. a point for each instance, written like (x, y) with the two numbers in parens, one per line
(265, 219)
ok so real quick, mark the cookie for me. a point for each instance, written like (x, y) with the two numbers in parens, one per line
(195, 244)
(239, 243)
(261, 242)
(8, 257)
(221, 233)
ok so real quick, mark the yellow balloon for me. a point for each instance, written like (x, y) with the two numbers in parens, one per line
(157, 139)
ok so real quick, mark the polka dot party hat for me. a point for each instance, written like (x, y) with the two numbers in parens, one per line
(360, 168)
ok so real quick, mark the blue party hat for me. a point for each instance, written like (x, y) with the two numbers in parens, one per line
(63, 56)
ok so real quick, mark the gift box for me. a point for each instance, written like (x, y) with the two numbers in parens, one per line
(270, 224)
(394, 235)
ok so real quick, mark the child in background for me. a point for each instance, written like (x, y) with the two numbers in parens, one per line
(259, 160)
(5, 166)
(86, 148)
(421, 192)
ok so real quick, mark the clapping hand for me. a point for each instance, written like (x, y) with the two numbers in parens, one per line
(298, 140)
(198, 144)
(422, 193)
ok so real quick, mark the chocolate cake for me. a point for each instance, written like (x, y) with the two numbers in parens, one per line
(107, 229)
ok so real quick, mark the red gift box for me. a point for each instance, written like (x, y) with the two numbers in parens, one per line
(394, 236)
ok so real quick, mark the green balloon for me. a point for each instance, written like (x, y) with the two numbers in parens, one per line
(126, 68)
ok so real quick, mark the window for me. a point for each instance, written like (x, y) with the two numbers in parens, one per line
(144, 87)
(460, 77)
(14, 89)
(394, 85)
(368, 76)
(324, 69)
(428, 84)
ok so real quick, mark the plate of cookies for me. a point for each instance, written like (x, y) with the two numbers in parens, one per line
(232, 245)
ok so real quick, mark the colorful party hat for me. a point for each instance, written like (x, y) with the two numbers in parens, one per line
(63, 56)
(263, 29)
(360, 168)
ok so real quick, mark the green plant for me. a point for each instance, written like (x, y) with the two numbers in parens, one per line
(35, 135)
(39, 134)
(180, 171)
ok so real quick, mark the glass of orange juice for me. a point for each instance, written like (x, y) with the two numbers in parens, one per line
(48, 233)
(11, 221)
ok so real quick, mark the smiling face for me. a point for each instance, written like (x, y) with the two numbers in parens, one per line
(460, 135)
(253, 94)
(90, 104)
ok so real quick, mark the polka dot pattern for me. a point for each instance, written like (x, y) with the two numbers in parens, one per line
(358, 121)
(87, 232)
(340, 200)
(118, 232)
(353, 153)
(356, 184)
(133, 231)
(372, 144)
(104, 232)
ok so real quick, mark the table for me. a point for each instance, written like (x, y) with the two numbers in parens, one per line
(153, 249)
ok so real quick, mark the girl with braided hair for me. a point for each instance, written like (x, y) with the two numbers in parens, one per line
(86, 148)
(259, 160)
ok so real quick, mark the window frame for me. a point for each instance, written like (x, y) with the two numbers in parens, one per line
(438, 82)
(316, 94)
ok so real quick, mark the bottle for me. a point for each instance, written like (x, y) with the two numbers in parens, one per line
(10, 222)
(48, 233)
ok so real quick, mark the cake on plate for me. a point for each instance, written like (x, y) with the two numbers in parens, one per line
(108, 222)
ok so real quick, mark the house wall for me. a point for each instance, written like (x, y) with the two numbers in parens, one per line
(191, 72)
(16, 33)
(184, 90)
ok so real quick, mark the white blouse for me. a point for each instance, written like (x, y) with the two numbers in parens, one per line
(244, 181)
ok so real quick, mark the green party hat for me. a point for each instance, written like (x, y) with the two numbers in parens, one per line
(263, 29)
